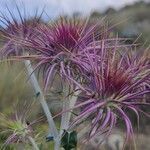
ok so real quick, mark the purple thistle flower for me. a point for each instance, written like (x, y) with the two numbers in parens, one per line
(15, 31)
(118, 82)
(57, 48)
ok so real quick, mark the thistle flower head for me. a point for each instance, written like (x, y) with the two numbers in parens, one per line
(58, 47)
(118, 82)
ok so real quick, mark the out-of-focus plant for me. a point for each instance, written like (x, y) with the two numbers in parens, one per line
(99, 74)
(13, 85)
(18, 128)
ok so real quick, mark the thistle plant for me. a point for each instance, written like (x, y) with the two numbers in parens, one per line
(60, 52)
(101, 77)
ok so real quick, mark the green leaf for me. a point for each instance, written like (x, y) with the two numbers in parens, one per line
(69, 140)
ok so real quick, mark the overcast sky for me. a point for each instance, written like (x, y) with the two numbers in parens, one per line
(59, 7)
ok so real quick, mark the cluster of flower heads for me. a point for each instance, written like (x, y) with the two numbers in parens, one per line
(113, 78)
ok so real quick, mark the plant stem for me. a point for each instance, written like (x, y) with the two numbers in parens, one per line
(65, 116)
(40, 96)
(73, 100)
(33, 143)
(68, 102)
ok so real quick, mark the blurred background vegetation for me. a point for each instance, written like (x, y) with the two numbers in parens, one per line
(131, 21)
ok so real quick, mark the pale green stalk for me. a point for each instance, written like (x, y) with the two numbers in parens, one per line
(68, 102)
(40, 96)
